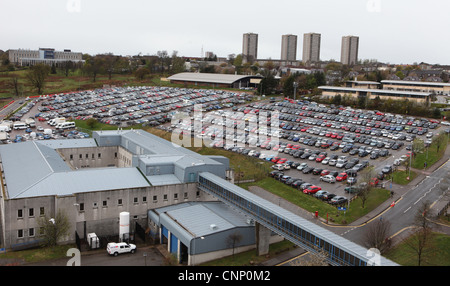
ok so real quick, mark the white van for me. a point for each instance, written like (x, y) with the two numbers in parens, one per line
(65, 125)
(19, 125)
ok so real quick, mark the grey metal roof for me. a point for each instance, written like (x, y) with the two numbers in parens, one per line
(209, 77)
(314, 229)
(196, 218)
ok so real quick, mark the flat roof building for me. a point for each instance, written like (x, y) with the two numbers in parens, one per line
(311, 48)
(289, 47)
(93, 181)
(331, 91)
(440, 88)
(349, 50)
(249, 47)
(43, 56)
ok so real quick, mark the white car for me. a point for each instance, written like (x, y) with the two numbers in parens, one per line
(328, 179)
(118, 248)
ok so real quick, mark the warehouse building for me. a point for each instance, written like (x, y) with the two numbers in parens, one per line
(93, 180)
(196, 232)
(216, 80)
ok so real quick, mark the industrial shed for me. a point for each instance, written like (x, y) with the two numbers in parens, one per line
(216, 80)
(197, 232)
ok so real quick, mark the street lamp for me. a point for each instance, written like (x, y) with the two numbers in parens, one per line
(295, 90)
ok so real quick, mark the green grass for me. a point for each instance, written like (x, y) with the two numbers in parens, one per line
(430, 156)
(400, 177)
(438, 254)
(38, 254)
(312, 204)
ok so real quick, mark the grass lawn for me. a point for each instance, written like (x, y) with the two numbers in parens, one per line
(38, 254)
(312, 204)
(430, 156)
(438, 254)
(400, 177)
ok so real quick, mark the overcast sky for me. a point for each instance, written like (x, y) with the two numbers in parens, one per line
(391, 31)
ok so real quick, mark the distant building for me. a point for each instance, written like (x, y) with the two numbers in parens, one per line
(349, 50)
(249, 47)
(216, 80)
(311, 48)
(43, 56)
(289, 47)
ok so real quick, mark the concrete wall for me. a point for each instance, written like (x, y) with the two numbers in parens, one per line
(100, 214)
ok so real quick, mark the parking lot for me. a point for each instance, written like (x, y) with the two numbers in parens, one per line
(121, 107)
(309, 143)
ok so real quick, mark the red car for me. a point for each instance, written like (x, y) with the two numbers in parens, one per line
(312, 189)
(320, 158)
(374, 182)
(324, 172)
(282, 161)
(341, 177)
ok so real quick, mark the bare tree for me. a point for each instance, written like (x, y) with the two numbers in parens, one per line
(53, 229)
(37, 76)
(233, 240)
(15, 85)
(365, 184)
(421, 241)
(377, 235)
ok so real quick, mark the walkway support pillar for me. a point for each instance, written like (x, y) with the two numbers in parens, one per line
(262, 239)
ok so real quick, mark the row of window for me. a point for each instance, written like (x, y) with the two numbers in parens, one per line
(136, 200)
(20, 212)
(31, 232)
(99, 155)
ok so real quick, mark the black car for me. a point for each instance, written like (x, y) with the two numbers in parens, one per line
(317, 171)
(386, 169)
(296, 184)
(307, 170)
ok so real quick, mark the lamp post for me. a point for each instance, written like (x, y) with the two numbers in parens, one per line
(295, 90)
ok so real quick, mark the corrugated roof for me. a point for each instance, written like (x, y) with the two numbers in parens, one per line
(209, 77)
(339, 88)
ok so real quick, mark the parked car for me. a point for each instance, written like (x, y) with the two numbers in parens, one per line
(351, 180)
(337, 200)
(312, 190)
(351, 190)
(341, 177)
(328, 179)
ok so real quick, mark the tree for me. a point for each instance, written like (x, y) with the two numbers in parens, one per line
(53, 229)
(377, 235)
(233, 240)
(421, 241)
(14, 84)
(365, 184)
(37, 76)
(91, 122)
(141, 73)
(93, 66)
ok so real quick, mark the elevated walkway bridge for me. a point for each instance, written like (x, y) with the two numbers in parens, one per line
(307, 235)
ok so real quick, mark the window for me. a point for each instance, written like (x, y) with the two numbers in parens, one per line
(165, 197)
(41, 211)
(87, 156)
(119, 202)
(135, 200)
(19, 213)
(155, 198)
(31, 212)
(93, 156)
(105, 203)
(81, 207)
(20, 233)
(81, 156)
(95, 205)
(71, 156)
(99, 155)
(175, 196)
(185, 195)
(144, 199)
(197, 194)
(115, 155)
(31, 232)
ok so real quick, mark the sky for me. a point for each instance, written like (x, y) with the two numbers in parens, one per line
(390, 31)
